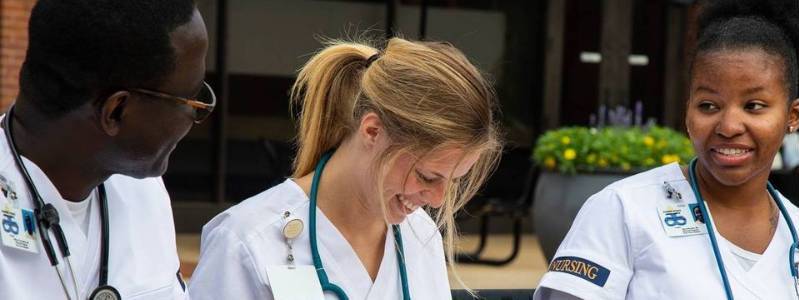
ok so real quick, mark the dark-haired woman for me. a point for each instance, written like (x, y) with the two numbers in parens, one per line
(640, 238)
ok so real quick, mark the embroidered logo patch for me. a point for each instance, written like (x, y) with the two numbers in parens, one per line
(582, 268)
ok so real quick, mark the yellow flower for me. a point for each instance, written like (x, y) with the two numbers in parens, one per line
(569, 154)
(602, 163)
(649, 141)
(649, 161)
(565, 140)
(590, 159)
(625, 166)
(669, 158)
(549, 163)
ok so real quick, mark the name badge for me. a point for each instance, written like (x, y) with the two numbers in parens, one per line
(681, 219)
(294, 282)
(18, 228)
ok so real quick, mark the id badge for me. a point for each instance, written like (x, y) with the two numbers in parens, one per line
(294, 282)
(681, 219)
(18, 229)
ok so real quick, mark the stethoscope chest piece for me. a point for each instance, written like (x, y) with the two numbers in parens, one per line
(105, 292)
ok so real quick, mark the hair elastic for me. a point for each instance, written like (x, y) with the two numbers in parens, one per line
(373, 58)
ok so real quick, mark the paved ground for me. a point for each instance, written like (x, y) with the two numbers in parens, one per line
(522, 273)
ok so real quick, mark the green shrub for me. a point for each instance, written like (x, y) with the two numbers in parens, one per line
(572, 149)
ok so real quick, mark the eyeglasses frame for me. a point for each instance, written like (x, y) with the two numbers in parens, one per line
(194, 103)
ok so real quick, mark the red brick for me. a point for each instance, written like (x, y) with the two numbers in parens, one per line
(14, 15)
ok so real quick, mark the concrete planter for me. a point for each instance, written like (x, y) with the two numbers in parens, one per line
(558, 198)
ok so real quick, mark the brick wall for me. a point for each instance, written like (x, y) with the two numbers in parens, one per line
(13, 42)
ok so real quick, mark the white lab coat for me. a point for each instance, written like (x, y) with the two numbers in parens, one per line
(619, 233)
(239, 244)
(143, 261)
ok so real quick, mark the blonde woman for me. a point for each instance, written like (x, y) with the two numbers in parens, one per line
(382, 136)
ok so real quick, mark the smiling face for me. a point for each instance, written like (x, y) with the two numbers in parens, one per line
(157, 125)
(738, 113)
(411, 183)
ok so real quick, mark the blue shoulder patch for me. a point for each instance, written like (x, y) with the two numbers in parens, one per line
(583, 268)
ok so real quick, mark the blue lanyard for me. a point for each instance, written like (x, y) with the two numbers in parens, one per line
(317, 260)
(709, 224)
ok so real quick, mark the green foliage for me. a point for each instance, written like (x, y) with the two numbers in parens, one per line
(572, 149)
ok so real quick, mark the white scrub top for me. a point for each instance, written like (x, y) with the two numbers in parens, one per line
(239, 244)
(143, 261)
(617, 248)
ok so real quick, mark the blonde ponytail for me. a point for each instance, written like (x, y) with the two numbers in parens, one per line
(326, 90)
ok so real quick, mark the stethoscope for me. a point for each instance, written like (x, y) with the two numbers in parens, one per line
(47, 219)
(327, 286)
(709, 224)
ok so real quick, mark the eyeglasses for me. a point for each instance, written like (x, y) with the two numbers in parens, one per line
(203, 103)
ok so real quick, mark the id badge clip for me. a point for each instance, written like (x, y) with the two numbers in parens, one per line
(292, 281)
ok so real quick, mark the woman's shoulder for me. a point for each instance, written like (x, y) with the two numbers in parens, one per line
(655, 177)
(793, 210)
(643, 191)
(420, 230)
(421, 221)
(261, 212)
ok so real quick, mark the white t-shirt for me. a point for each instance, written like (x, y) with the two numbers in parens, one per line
(81, 211)
(143, 260)
(746, 259)
(239, 244)
(617, 248)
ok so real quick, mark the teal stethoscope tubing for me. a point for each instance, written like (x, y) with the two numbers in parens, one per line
(712, 235)
(317, 260)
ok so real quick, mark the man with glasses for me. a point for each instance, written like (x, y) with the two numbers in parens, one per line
(107, 90)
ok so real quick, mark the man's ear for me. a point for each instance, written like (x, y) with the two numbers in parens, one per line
(793, 116)
(371, 129)
(112, 111)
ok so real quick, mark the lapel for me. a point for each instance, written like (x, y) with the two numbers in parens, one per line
(91, 262)
(84, 250)
(767, 274)
(388, 281)
(346, 270)
(772, 271)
